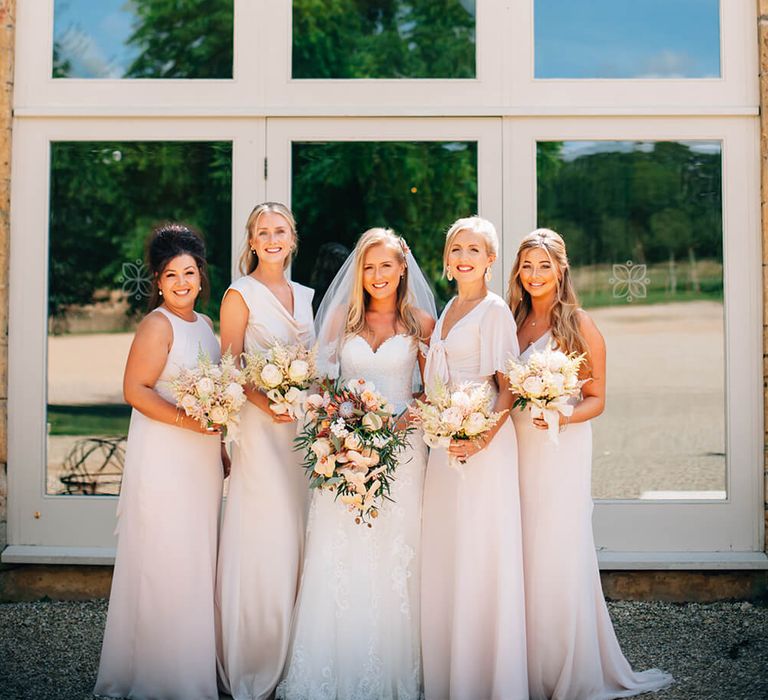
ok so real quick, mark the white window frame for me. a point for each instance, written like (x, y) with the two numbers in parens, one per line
(505, 109)
(504, 82)
(652, 533)
(43, 527)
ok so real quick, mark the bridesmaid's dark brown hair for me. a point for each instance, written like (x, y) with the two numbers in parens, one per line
(167, 242)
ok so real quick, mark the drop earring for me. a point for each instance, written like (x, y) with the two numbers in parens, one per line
(160, 292)
(487, 274)
(449, 274)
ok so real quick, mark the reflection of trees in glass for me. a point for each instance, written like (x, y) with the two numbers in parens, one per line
(417, 188)
(166, 39)
(182, 39)
(657, 204)
(106, 198)
(383, 39)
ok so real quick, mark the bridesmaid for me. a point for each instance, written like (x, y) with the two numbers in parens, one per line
(573, 653)
(159, 640)
(262, 537)
(473, 609)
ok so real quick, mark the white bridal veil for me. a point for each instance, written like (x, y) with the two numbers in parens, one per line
(332, 314)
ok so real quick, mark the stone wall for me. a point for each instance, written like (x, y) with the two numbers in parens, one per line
(7, 25)
(762, 28)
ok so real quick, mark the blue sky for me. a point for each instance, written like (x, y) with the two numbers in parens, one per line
(627, 38)
(92, 36)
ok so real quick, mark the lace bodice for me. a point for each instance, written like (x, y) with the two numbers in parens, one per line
(390, 368)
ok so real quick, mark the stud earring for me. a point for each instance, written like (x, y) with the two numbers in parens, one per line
(160, 292)
(449, 274)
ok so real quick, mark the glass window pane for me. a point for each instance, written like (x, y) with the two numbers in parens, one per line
(643, 226)
(627, 38)
(341, 189)
(142, 38)
(105, 200)
(384, 39)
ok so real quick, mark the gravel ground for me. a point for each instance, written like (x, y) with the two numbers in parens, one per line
(50, 650)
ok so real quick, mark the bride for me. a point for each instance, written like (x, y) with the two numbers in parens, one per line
(356, 623)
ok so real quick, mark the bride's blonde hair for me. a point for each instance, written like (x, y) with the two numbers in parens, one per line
(358, 300)
(566, 330)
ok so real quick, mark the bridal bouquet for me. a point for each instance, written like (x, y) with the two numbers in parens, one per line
(283, 373)
(350, 444)
(212, 393)
(545, 383)
(459, 414)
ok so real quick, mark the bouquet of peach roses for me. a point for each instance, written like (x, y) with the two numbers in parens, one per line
(283, 373)
(350, 444)
(459, 414)
(212, 393)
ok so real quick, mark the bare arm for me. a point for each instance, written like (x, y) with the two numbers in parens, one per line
(146, 360)
(233, 322)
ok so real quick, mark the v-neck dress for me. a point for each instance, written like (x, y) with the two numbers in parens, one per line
(573, 653)
(472, 602)
(262, 536)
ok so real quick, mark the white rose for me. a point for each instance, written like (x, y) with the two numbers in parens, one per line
(215, 372)
(353, 442)
(372, 422)
(452, 418)
(271, 376)
(475, 424)
(188, 402)
(234, 391)
(205, 386)
(555, 384)
(218, 415)
(533, 386)
(556, 361)
(293, 394)
(460, 400)
(321, 447)
(571, 381)
(298, 371)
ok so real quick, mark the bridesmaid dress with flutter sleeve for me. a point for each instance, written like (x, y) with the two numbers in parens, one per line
(472, 604)
(262, 539)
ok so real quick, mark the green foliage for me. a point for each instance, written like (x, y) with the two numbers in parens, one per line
(383, 39)
(654, 204)
(182, 39)
(341, 189)
(106, 197)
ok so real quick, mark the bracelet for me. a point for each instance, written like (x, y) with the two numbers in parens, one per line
(178, 418)
(565, 425)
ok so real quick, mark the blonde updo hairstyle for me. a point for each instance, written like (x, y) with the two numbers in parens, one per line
(475, 224)
(249, 261)
(566, 329)
(358, 302)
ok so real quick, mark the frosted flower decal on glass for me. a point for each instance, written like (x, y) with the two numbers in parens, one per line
(629, 281)
(135, 279)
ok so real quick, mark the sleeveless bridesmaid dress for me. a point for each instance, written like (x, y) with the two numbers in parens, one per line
(262, 538)
(472, 603)
(573, 653)
(159, 640)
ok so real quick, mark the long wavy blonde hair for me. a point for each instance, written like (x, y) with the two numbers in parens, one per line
(564, 318)
(248, 260)
(358, 301)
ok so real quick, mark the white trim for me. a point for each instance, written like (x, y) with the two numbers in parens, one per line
(504, 83)
(392, 110)
(608, 561)
(736, 523)
(78, 521)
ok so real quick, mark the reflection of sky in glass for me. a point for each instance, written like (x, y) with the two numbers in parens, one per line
(92, 37)
(571, 150)
(627, 38)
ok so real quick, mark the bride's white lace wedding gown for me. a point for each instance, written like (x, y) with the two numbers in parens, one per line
(356, 624)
